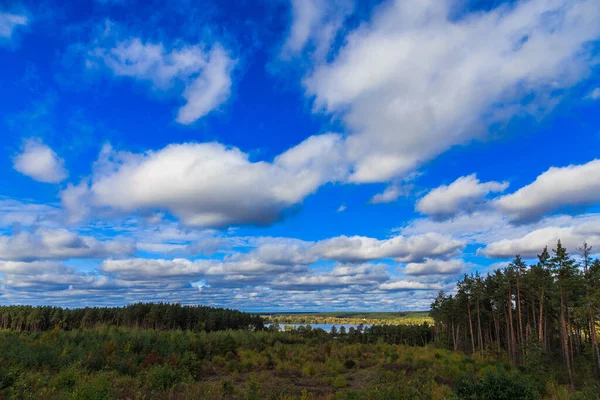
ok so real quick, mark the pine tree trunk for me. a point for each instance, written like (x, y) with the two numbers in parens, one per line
(457, 343)
(594, 337)
(520, 316)
(453, 336)
(479, 327)
(541, 330)
(534, 320)
(513, 343)
(564, 335)
(570, 336)
(497, 328)
(471, 326)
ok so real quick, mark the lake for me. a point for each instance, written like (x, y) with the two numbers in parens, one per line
(325, 327)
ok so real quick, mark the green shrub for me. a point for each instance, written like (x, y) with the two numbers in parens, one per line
(163, 377)
(253, 390)
(339, 382)
(97, 388)
(65, 379)
(227, 387)
(495, 386)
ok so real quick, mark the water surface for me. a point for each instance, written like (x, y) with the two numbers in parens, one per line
(325, 327)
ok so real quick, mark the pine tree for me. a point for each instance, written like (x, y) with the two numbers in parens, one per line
(564, 270)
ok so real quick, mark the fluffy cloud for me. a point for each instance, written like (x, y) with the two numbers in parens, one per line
(404, 285)
(277, 272)
(282, 254)
(434, 267)
(44, 276)
(390, 194)
(208, 184)
(503, 239)
(149, 269)
(205, 75)
(58, 244)
(8, 23)
(344, 249)
(317, 23)
(461, 195)
(416, 80)
(15, 212)
(571, 186)
(340, 276)
(401, 248)
(529, 245)
(143, 269)
(40, 162)
(31, 268)
(477, 227)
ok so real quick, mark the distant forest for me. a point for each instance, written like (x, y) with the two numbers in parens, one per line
(160, 316)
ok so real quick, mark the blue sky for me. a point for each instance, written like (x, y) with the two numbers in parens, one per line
(291, 154)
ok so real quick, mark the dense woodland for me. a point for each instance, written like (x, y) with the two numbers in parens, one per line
(161, 316)
(531, 313)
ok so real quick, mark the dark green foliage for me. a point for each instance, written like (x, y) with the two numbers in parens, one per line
(227, 387)
(98, 388)
(538, 317)
(163, 377)
(495, 385)
(161, 316)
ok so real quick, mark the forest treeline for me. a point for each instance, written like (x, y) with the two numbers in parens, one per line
(371, 318)
(159, 316)
(408, 335)
(531, 313)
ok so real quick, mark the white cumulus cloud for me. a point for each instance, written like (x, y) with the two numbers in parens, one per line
(402, 248)
(461, 195)
(58, 244)
(315, 23)
(572, 235)
(570, 186)
(205, 75)
(208, 184)
(434, 267)
(416, 80)
(40, 162)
